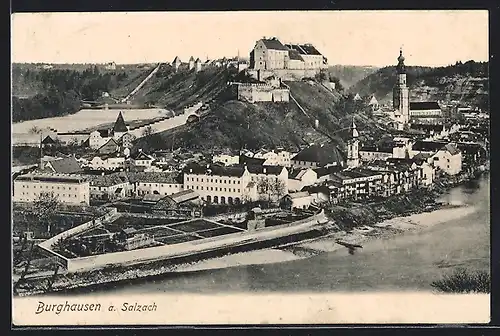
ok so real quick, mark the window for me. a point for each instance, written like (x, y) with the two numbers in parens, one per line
(196, 179)
(201, 188)
(211, 188)
(211, 180)
(196, 187)
(201, 180)
(215, 188)
(225, 189)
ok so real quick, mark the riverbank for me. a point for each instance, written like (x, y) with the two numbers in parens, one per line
(423, 216)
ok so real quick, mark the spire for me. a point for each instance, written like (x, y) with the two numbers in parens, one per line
(401, 65)
(120, 125)
(355, 133)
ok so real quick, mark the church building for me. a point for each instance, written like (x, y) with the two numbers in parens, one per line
(406, 113)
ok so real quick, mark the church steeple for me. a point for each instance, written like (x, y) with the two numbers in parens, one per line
(120, 126)
(401, 62)
(353, 147)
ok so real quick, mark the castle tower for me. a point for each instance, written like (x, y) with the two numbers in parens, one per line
(191, 63)
(353, 148)
(400, 95)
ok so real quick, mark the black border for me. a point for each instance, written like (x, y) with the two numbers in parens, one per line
(222, 5)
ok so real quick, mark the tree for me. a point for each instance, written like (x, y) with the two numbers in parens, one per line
(264, 188)
(43, 208)
(147, 131)
(35, 130)
(272, 189)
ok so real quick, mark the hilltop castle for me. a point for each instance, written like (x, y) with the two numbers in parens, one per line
(287, 61)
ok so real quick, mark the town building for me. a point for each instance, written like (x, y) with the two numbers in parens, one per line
(142, 159)
(68, 165)
(279, 157)
(427, 110)
(445, 156)
(368, 153)
(109, 147)
(109, 187)
(300, 178)
(178, 203)
(70, 189)
(114, 161)
(318, 155)
(299, 200)
(226, 159)
(220, 185)
(158, 183)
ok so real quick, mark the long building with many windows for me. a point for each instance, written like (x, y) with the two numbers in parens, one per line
(71, 189)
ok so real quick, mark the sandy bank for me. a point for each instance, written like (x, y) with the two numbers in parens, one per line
(258, 257)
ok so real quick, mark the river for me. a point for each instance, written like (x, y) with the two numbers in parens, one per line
(405, 262)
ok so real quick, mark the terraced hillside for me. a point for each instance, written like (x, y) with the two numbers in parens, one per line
(174, 90)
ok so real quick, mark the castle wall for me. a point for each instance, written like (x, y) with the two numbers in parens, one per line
(284, 74)
(262, 93)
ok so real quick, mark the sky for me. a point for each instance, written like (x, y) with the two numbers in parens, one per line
(428, 38)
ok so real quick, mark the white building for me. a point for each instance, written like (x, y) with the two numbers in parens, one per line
(220, 185)
(142, 159)
(109, 187)
(300, 200)
(107, 162)
(151, 183)
(71, 189)
(226, 159)
(278, 158)
(300, 178)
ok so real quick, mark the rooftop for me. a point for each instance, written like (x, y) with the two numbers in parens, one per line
(430, 105)
(321, 154)
(66, 165)
(48, 177)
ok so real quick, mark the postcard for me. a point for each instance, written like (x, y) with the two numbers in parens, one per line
(250, 168)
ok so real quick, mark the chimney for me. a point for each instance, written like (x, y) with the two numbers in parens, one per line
(264, 170)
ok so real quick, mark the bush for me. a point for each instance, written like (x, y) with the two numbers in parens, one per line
(463, 281)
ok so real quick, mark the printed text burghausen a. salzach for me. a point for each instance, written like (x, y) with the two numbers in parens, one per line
(95, 307)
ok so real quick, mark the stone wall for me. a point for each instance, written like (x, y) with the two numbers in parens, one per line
(193, 247)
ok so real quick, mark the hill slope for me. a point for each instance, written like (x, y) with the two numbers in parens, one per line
(349, 75)
(235, 124)
(467, 83)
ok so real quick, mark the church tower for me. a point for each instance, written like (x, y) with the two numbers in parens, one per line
(400, 95)
(353, 148)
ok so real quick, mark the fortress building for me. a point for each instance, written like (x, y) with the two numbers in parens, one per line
(287, 61)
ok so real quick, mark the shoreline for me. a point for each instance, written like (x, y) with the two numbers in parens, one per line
(303, 249)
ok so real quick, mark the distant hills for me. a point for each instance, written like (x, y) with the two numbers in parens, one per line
(348, 75)
(467, 83)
